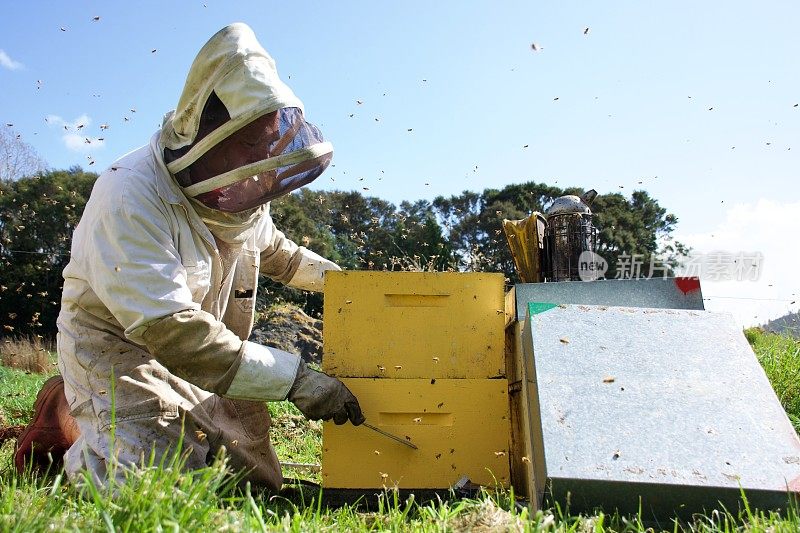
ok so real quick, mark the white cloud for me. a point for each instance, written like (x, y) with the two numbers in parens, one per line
(74, 134)
(767, 227)
(7, 62)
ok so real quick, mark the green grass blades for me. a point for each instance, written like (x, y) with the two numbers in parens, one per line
(296, 440)
(17, 392)
(161, 496)
(780, 357)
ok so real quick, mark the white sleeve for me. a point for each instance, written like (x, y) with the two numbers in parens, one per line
(310, 275)
(265, 374)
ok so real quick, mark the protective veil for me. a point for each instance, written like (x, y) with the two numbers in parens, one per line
(291, 152)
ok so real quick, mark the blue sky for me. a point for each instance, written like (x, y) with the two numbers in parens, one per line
(692, 101)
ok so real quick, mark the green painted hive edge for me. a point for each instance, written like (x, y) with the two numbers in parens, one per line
(534, 308)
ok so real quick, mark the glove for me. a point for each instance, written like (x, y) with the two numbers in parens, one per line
(322, 397)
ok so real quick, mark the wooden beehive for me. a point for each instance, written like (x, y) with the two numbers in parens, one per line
(424, 353)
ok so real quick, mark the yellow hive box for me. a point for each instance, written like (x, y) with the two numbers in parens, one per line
(460, 426)
(424, 354)
(414, 325)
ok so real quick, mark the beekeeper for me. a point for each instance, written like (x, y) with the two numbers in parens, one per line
(160, 289)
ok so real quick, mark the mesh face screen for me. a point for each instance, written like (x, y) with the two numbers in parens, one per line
(286, 155)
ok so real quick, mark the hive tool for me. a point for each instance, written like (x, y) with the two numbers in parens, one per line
(393, 437)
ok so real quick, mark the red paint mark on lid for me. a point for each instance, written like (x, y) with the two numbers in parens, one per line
(687, 285)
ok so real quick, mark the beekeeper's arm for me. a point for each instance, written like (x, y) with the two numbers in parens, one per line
(317, 395)
(137, 273)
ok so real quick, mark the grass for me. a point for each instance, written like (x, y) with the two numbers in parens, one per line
(19, 391)
(300, 440)
(163, 497)
(27, 353)
(780, 357)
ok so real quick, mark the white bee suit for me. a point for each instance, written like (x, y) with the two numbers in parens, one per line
(157, 302)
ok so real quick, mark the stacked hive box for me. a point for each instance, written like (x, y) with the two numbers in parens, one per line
(424, 354)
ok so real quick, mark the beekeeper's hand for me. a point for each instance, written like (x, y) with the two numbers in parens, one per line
(322, 397)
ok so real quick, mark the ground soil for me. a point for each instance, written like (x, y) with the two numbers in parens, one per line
(290, 329)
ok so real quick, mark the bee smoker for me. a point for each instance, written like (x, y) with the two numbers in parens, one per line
(569, 233)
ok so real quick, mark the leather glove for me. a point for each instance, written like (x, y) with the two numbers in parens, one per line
(322, 397)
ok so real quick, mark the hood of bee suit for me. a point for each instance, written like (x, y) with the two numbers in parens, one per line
(242, 75)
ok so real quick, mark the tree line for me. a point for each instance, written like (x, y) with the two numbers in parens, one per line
(462, 232)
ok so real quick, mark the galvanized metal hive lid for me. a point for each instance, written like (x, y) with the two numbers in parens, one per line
(664, 404)
(672, 293)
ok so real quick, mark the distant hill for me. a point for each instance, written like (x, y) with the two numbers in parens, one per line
(788, 324)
